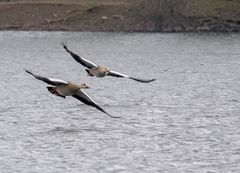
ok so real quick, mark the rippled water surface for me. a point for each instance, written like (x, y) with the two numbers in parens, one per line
(188, 120)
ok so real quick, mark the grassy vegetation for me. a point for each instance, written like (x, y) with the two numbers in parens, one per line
(213, 8)
(191, 15)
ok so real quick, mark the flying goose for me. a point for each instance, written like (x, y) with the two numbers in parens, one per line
(99, 71)
(63, 88)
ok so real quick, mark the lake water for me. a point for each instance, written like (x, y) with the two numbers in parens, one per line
(188, 120)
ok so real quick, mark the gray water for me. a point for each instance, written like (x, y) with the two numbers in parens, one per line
(188, 120)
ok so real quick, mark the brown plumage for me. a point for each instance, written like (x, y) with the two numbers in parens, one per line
(100, 71)
(63, 88)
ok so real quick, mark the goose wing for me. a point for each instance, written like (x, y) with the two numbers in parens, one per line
(117, 74)
(83, 97)
(50, 81)
(82, 61)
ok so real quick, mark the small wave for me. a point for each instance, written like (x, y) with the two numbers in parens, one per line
(64, 130)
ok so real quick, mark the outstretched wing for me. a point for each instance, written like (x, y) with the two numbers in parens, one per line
(79, 59)
(83, 97)
(50, 81)
(117, 74)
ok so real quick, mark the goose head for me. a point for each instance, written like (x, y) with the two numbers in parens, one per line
(84, 86)
(106, 69)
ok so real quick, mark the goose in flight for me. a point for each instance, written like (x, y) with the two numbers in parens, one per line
(63, 88)
(100, 71)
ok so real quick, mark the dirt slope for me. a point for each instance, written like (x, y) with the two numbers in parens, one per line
(121, 15)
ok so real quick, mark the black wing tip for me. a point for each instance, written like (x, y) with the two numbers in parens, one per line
(28, 71)
(100, 109)
(153, 80)
(143, 80)
(111, 115)
(148, 81)
(114, 117)
(64, 46)
(93, 105)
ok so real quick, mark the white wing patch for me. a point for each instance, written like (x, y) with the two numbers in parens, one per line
(82, 94)
(117, 73)
(58, 80)
(89, 62)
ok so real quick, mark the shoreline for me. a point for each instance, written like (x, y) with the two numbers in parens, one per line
(123, 16)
